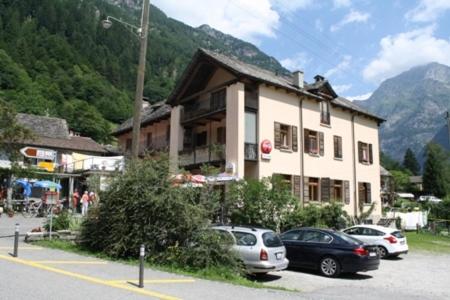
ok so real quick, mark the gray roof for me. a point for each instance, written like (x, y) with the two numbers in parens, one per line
(152, 113)
(241, 69)
(53, 133)
(44, 126)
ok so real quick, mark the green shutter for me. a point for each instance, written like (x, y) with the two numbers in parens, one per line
(277, 129)
(325, 189)
(297, 186)
(347, 191)
(294, 139)
(305, 189)
(321, 144)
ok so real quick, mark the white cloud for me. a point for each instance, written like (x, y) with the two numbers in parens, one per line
(289, 6)
(341, 3)
(296, 62)
(359, 97)
(428, 10)
(341, 88)
(353, 16)
(342, 66)
(403, 51)
(248, 20)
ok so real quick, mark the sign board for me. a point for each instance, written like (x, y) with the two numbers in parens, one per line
(265, 156)
(39, 153)
(266, 148)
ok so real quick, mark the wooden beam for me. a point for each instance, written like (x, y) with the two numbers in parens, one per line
(212, 89)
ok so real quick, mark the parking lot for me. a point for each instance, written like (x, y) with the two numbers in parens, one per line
(42, 273)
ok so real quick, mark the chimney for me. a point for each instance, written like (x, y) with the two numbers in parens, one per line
(298, 78)
(319, 78)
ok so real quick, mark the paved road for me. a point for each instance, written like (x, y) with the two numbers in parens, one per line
(41, 273)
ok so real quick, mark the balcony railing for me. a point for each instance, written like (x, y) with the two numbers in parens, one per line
(208, 104)
(156, 144)
(204, 154)
(251, 151)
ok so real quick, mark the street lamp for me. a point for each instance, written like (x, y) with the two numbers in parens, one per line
(142, 33)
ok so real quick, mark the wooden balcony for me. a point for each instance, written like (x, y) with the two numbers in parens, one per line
(202, 155)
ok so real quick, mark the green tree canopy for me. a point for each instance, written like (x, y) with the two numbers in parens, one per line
(436, 179)
(410, 162)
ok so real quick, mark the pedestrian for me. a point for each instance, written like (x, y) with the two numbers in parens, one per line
(26, 196)
(92, 198)
(75, 200)
(84, 203)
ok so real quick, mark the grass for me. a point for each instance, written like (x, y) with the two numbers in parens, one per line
(221, 274)
(428, 242)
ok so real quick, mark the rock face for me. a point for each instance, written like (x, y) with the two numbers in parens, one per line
(414, 104)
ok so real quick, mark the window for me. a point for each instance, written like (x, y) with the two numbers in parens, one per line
(244, 238)
(364, 192)
(314, 142)
(200, 139)
(250, 127)
(221, 135)
(286, 137)
(149, 140)
(292, 235)
(365, 153)
(337, 147)
(128, 145)
(311, 236)
(325, 112)
(271, 239)
(337, 192)
(313, 186)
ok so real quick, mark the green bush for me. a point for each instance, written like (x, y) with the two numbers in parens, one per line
(142, 207)
(59, 222)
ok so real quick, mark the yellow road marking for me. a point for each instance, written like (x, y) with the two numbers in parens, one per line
(70, 262)
(155, 281)
(20, 248)
(88, 278)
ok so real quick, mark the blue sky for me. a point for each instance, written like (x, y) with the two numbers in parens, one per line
(355, 44)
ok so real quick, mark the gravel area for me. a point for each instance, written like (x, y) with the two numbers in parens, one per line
(418, 275)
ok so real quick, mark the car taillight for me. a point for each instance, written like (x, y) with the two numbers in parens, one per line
(263, 255)
(361, 251)
(391, 239)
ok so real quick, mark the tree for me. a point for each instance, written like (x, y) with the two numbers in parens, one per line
(435, 175)
(389, 163)
(401, 180)
(410, 162)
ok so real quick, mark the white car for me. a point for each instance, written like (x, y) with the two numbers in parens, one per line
(390, 242)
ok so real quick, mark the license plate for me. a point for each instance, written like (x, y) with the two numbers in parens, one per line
(402, 242)
(372, 254)
(279, 255)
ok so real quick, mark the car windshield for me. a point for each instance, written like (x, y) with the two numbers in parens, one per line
(347, 238)
(398, 234)
(270, 239)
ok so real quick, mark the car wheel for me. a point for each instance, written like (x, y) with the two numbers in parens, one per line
(329, 267)
(382, 252)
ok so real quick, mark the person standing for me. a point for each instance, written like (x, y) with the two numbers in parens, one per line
(75, 200)
(26, 196)
(85, 203)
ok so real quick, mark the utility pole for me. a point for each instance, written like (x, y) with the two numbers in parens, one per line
(143, 37)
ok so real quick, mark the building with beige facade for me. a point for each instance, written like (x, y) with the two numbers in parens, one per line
(231, 114)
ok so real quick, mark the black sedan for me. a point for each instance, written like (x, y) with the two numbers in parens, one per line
(330, 252)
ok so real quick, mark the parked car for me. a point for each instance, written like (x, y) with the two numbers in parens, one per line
(331, 252)
(261, 250)
(429, 198)
(390, 242)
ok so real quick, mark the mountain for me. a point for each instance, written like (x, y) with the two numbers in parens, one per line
(57, 60)
(414, 104)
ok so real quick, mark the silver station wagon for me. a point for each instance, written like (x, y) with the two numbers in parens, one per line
(261, 250)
